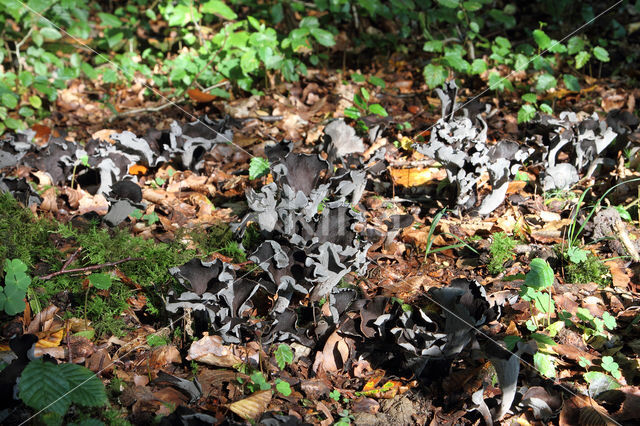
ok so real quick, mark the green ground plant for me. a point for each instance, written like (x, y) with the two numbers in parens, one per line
(22, 235)
(501, 250)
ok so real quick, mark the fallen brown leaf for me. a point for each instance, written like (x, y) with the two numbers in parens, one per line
(253, 406)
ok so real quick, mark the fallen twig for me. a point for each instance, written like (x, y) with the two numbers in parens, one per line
(88, 268)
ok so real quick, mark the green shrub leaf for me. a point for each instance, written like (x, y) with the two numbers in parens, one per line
(284, 355)
(451, 4)
(540, 275)
(526, 113)
(545, 82)
(42, 384)
(434, 75)
(217, 7)
(86, 388)
(582, 58)
(601, 54)
(258, 167)
(378, 109)
(542, 39)
(323, 37)
(571, 82)
(49, 33)
(100, 281)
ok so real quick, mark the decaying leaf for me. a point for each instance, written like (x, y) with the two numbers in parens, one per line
(252, 407)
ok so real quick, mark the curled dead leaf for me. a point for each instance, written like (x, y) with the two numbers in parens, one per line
(211, 350)
(253, 406)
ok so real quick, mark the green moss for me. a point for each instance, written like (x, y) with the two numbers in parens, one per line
(588, 271)
(501, 250)
(220, 239)
(22, 235)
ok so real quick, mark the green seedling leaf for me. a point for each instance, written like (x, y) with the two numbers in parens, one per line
(540, 276)
(451, 4)
(511, 341)
(109, 20)
(609, 320)
(259, 381)
(100, 281)
(258, 167)
(137, 214)
(545, 82)
(608, 364)
(601, 54)
(582, 58)
(50, 33)
(571, 82)
(377, 81)
(575, 45)
(35, 101)
(151, 218)
(624, 214)
(357, 99)
(365, 94)
(542, 39)
(521, 176)
(154, 340)
(545, 364)
(16, 283)
(378, 109)
(434, 75)
(217, 7)
(478, 66)
(284, 355)
(584, 314)
(543, 339)
(576, 254)
(546, 108)
(335, 395)
(323, 37)
(532, 98)
(352, 112)
(433, 46)
(600, 382)
(283, 387)
(358, 78)
(526, 113)
(584, 363)
(9, 100)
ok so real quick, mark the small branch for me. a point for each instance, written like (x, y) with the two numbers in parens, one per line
(73, 256)
(19, 45)
(148, 109)
(89, 268)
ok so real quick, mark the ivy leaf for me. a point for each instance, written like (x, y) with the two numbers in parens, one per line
(41, 384)
(284, 355)
(258, 167)
(571, 82)
(601, 54)
(434, 75)
(540, 275)
(217, 7)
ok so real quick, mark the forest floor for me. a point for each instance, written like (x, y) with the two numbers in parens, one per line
(406, 335)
